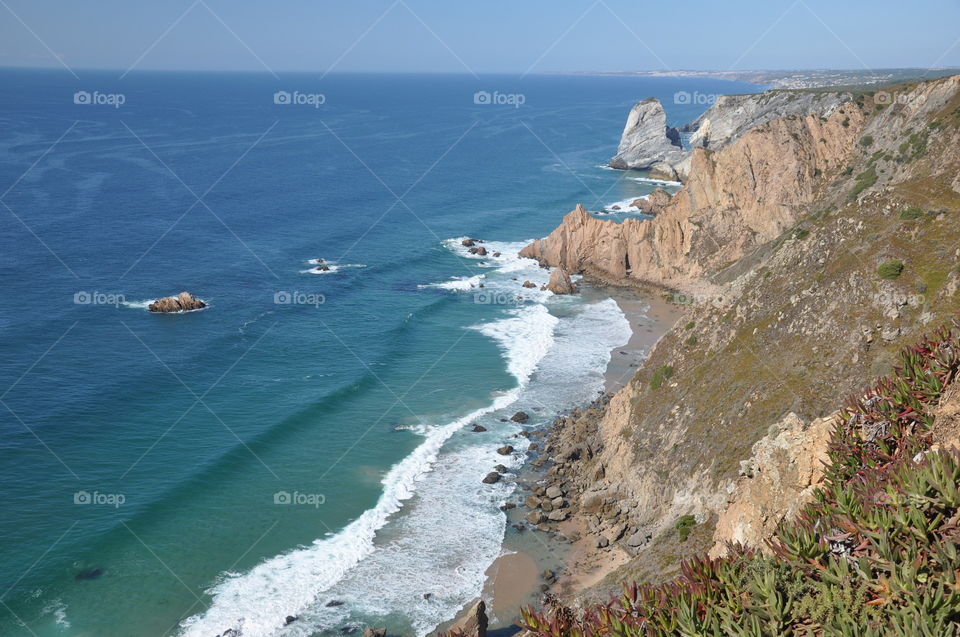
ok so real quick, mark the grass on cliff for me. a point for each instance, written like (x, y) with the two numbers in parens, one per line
(875, 553)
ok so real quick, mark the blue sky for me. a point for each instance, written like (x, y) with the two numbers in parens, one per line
(507, 36)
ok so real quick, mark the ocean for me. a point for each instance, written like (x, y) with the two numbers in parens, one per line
(303, 446)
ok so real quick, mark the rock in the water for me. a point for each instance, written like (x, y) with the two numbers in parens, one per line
(289, 620)
(92, 573)
(468, 242)
(500, 468)
(648, 143)
(492, 478)
(481, 251)
(334, 602)
(560, 282)
(529, 284)
(322, 268)
(375, 632)
(478, 428)
(180, 303)
(505, 450)
(520, 417)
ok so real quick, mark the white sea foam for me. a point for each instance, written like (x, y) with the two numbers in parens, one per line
(138, 305)
(457, 283)
(623, 206)
(332, 266)
(371, 563)
(257, 602)
(657, 182)
(58, 610)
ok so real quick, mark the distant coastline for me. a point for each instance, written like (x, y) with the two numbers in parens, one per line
(796, 78)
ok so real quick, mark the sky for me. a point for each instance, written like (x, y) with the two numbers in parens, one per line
(490, 36)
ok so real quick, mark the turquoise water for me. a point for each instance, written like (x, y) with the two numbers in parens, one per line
(303, 440)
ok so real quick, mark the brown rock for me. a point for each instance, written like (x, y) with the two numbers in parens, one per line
(492, 478)
(560, 282)
(505, 450)
(529, 284)
(520, 417)
(474, 624)
(468, 242)
(181, 303)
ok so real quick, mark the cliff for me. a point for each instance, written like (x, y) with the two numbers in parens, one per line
(648, 143)
(808, 251)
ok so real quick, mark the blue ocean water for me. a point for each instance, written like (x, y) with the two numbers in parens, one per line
(304, 439)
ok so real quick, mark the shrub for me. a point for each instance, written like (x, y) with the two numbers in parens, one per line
(866, 140)
(911, 212)
(890, 269)
(865, 180)
(846, 122)
(692, 341)
(689, 325)
(683, 526)
(660, 376)
(801, 233)
(874, 554)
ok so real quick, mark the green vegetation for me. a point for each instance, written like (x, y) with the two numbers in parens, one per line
(683, 526)
(866, 140)
(875, 553)
(865, 180)
(910, 213)
(689, 326)
(660, 376)
(890, 269)
(692, 341)
(914, 147)
(801, 233)
(846, 122)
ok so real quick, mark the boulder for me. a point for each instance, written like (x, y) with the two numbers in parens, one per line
(481, 251)
(536, 517)
(478, 428)
(520, 417)
(529, 284)
(374, 632)
(492, 478)
(505, 450)
(553, 492)
(500, 469)
(560, 282)
(322, 268)
(183, 302)
(289, 620)
(557, 516)
(468, 242)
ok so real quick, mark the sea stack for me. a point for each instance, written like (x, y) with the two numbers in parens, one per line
(183, 302)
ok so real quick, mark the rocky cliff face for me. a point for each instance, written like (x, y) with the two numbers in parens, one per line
(733, 115)
(648, 143)
(735, 199)
(776, 242)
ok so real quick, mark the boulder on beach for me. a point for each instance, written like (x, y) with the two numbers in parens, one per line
(492, 478)
(560, 282)
(183, 302)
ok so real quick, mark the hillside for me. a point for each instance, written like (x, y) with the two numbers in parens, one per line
(808, 252)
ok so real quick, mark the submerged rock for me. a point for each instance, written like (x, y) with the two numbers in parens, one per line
(181, 303)
(492, 478)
